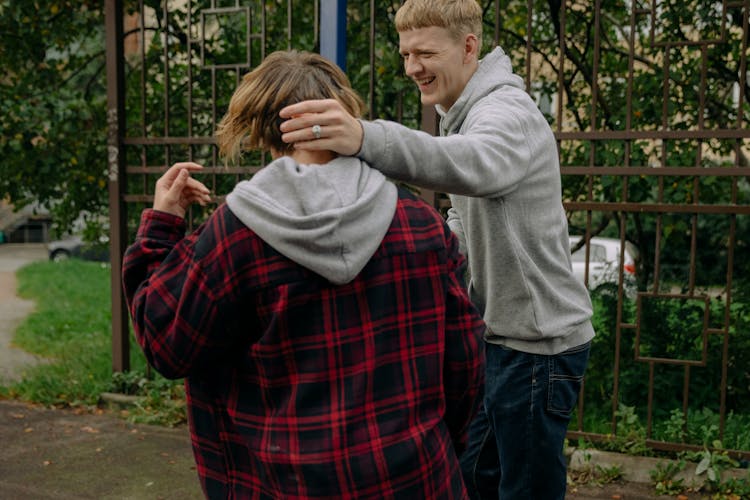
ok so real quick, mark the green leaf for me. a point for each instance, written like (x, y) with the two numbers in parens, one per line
(703, 465)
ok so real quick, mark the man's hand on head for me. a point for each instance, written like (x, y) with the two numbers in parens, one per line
(337, 130)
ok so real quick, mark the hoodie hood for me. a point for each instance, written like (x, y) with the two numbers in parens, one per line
(328, 218)
(494, 71)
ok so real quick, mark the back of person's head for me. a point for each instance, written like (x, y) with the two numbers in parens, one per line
(285, 77)
(459, 17)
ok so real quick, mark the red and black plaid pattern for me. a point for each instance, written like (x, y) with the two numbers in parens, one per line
(301, 389)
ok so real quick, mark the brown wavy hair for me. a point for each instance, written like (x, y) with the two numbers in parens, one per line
(284, 77)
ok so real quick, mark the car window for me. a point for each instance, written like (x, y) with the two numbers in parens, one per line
(597, 254)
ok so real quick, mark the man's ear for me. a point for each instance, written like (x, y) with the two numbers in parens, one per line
(471, 48)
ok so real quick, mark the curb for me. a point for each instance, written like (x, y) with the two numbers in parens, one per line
(119, 401)
(637, 469)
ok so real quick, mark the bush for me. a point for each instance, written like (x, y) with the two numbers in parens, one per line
(671, 328)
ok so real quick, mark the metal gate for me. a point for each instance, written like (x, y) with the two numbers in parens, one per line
(649, 101)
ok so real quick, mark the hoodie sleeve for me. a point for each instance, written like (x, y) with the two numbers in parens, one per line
(488, 158)
(464, 350)
(457, 228)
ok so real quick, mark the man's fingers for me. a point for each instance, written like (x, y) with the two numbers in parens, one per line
(301, 136)
(304, 123)
(300, 108)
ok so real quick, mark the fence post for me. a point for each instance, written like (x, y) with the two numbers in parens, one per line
(333, 31)
(116, 181)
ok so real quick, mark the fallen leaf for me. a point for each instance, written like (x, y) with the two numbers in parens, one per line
(90, 430)
(28, 429)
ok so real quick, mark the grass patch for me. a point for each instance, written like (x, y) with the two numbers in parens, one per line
(71, 329)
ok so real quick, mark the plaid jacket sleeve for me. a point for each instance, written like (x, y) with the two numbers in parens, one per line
(173, 294)
(464, 349)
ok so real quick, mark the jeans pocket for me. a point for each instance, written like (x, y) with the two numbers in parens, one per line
(565, 379)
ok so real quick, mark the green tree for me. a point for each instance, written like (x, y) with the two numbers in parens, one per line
(52, 106)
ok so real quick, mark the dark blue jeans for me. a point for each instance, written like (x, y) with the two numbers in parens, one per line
(515, 448)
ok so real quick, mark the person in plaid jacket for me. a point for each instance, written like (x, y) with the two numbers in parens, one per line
(319, 316)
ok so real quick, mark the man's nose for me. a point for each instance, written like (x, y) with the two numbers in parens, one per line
(412, 66)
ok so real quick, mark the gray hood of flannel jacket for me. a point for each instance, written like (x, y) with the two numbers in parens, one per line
(328, 218)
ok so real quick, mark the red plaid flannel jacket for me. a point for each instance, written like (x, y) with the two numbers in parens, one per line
(297, 388)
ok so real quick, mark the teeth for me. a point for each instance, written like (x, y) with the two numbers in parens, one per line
(424, 81)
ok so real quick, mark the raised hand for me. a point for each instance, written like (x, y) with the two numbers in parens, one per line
(176, 190)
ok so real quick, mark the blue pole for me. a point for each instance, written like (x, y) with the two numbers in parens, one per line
(333, 31)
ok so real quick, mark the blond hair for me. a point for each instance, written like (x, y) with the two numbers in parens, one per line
(285, 77)
(459, 17)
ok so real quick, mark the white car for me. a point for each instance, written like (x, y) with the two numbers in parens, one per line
(604, 259)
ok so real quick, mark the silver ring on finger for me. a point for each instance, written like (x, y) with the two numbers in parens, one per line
(316, 131)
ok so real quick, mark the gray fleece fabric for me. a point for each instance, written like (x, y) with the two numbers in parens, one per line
(328, 218)
(498, 159)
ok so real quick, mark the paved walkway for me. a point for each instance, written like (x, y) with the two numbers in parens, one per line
(65, 454)
(13, 309)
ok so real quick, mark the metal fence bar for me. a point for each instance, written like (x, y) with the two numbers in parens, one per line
(116, 181)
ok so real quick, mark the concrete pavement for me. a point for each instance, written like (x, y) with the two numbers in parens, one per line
(62, 454)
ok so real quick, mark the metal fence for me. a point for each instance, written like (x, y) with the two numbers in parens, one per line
(649, 101)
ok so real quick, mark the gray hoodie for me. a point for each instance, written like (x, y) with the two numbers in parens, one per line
(328, 218)
(498, 157)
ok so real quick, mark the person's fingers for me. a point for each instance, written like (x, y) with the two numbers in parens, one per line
(194, 196)
(166, 180)
(197, 185)
(342, 137)
(303, 107)
(180, 181)
(188, 165)
(303, 125)
(299, 131)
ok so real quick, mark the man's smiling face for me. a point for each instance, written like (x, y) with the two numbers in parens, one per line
(438, 63)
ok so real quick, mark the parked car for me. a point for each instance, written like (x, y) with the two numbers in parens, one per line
(604, 259)
(75, 246)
